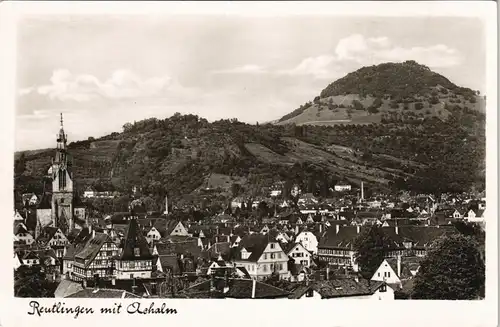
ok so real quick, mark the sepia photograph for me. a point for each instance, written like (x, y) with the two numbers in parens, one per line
(223, 156)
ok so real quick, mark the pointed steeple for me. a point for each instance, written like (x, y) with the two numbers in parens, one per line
(61, 137)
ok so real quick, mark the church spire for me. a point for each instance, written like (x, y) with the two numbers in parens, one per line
(61, 137)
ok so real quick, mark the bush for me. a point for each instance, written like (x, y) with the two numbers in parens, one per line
(434, 100)
(419, 106)
(357, 105)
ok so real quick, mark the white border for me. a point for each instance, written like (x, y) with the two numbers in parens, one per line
(256, 312)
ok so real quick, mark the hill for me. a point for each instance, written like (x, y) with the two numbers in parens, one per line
(386, 92)
(194, 160)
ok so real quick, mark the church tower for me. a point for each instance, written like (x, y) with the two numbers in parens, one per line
(62, 185)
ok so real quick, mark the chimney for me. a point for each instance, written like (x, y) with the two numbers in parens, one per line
(154, 291)
(212, 282)
(337, 228)
(399, 266)
(226, 282)
(254, 283)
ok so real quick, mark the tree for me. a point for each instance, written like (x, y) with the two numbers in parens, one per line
(371, 247)
(357, 105)
(20, 165)
(235, 189)
(127, 127)
(32, 282)
(452, 270)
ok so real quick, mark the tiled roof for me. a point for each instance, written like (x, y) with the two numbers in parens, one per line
(92, 247)
(66, 288)
(222, 248)
(134, 240)
(256, 244)
(189, 247)
(103, 294)
(170, 262)
(424, 235)
(238, 288)
(344, 238)
(345, 287)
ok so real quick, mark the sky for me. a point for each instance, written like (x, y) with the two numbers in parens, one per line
(104, 71)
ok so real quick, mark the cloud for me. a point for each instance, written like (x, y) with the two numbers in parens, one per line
(380, 49)
(319, 67)
(246, 69)
(122, 84)
(355, 50)
(437, 56)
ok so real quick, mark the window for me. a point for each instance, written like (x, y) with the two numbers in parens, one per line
(264, 268)
(265, 256)
(272, 245)
(309, 293)
(279, 255)
(383, 288)
(378, 274)
(272, 255)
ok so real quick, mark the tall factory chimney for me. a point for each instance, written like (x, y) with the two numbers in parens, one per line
(166, 205)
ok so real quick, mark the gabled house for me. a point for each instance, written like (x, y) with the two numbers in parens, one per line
(18, 217)
(261, 257)
(307, 198)
(22, 235)
(476, 216)
(94, 258)
(344, 289)
(29, 258)
(153, 235)
(178, 230)
(30, 199)
(237, 202)
(300, 255)
(135, 259)
(54, 238)
(394, 271)
(457, 214)
(283, 237)
(264, 230)
(308, 240)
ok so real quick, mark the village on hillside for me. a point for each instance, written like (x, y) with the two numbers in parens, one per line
(345, 247)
